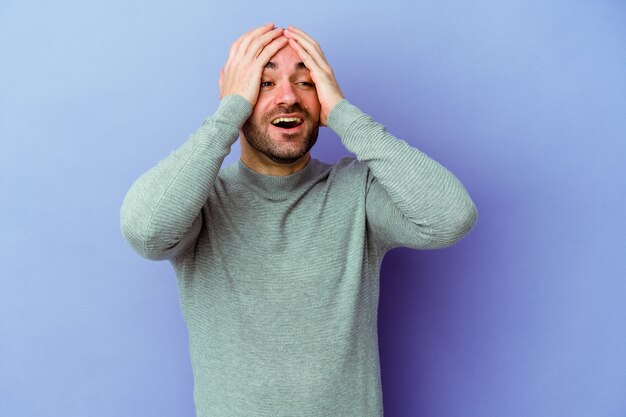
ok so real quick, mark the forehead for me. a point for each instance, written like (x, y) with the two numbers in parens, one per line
(285, 60)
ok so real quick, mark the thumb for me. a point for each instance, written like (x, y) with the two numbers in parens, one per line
(221, 81)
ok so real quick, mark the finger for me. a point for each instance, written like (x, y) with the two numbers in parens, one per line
(306, 58)
(251, 36)
(303, 34)
(237, 42)
(256, 47)
(313, 57)
(270, 50)
(238, 48)
(309, 48)
(221, 82)
(236, 45)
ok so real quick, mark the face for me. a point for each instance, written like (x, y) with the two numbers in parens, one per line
(284, 123)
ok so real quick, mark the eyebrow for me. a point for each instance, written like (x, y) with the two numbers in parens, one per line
(274, 66)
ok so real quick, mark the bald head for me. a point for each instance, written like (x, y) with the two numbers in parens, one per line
(286, 56)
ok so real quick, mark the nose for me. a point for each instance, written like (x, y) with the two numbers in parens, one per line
(286, 93)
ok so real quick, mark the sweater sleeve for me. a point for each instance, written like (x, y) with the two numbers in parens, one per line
(411, 200)
(161, 213)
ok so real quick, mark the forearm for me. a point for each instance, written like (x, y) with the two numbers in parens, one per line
(161, 209)
(429, 197)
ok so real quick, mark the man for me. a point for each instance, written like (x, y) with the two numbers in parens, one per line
(277, 257)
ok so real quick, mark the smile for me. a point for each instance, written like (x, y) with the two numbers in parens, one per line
(287, 122)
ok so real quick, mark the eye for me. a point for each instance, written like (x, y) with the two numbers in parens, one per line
(306, 84)
(266, 84)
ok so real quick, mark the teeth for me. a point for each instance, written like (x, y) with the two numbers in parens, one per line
(286, 119)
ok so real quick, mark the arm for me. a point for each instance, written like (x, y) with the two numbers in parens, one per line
(161, 214)
(412, 200)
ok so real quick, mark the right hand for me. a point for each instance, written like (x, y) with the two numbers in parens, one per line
(247, 58)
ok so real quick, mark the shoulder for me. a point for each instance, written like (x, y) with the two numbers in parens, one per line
(228, 172)
(228, 180)
(349, 170)
(350, 166)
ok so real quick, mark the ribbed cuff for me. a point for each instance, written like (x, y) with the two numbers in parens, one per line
(342, 116)
(233, 110)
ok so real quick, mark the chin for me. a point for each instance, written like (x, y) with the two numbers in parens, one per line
(280, 147)
(286, 157)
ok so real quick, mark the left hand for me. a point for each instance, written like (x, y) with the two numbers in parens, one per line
(328, 91)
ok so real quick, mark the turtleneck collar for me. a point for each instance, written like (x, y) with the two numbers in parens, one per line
(276, 187)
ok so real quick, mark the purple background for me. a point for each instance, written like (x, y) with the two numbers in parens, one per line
(524, 101)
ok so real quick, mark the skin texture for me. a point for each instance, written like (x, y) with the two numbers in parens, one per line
(297, 82)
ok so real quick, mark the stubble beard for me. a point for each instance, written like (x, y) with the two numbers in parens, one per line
(259, 138)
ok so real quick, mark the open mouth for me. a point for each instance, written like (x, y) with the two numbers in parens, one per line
(287, 122)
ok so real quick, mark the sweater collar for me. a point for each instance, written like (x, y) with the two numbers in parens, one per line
(276, 187)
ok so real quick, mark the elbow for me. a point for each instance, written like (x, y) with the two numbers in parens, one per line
(147, 244)
(156, 240)
(465, 221)
(459, 222)
(452, 225)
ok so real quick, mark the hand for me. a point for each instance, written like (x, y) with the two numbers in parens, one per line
(328, 91)
(247, 58)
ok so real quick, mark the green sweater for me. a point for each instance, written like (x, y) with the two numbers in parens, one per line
(279, 276)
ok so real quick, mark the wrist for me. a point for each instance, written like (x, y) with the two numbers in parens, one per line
(233, 109)
(343, 116)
